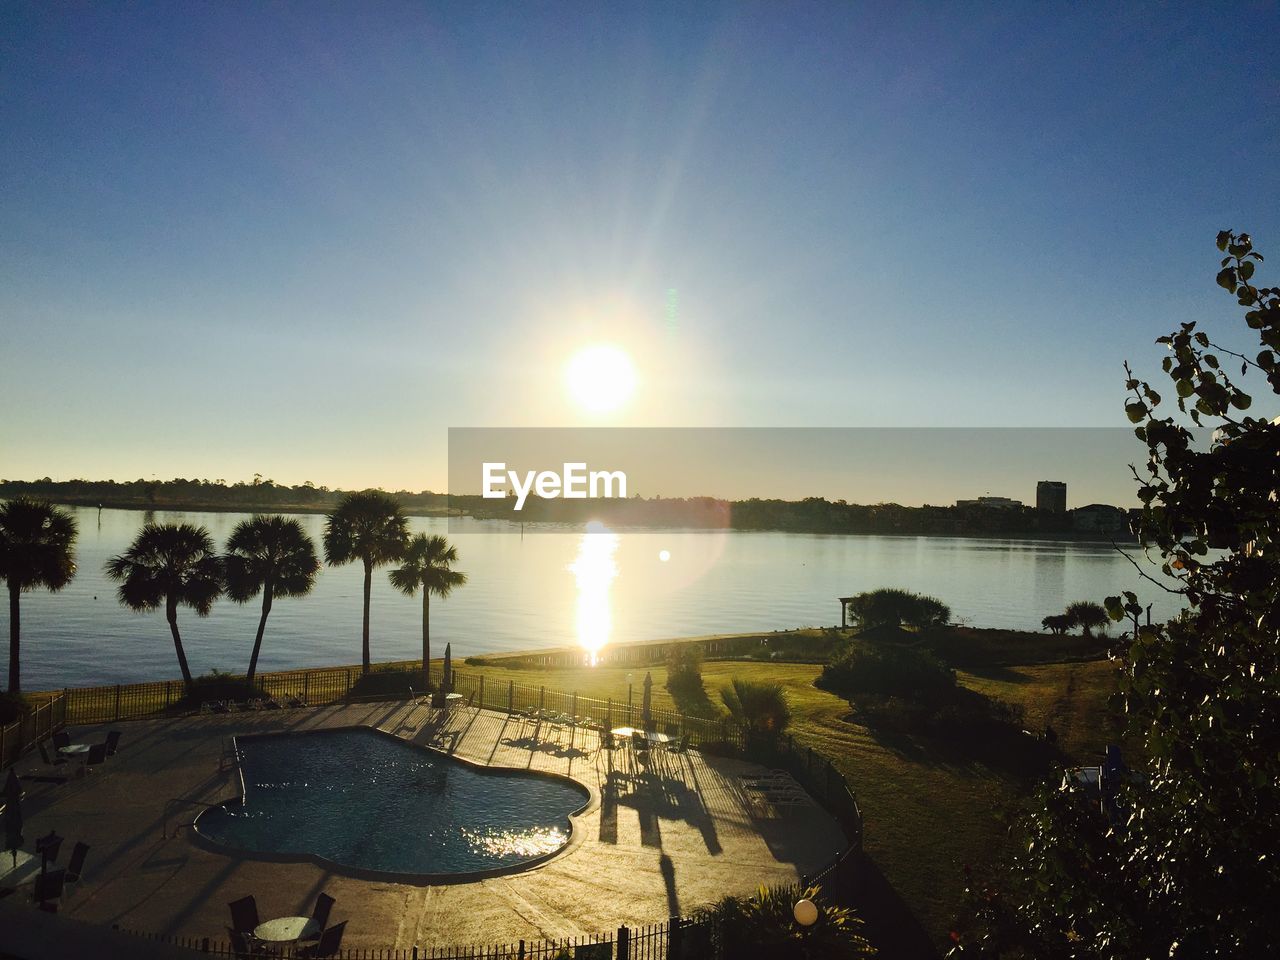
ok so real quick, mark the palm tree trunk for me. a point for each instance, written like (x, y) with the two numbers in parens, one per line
(426, 638)
(15, 682)
(368, 588)
(262, 626)
(171, 614)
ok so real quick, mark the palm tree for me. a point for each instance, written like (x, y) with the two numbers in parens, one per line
(368, 527)
(757, 706)
(1086, 615)
(426, 565)
(174, 564)
(37, 549)
(271, 555)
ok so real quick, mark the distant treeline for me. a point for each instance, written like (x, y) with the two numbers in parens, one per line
(183, 494)
(812, 515)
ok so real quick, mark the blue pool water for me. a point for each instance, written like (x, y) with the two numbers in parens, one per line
(359, 798)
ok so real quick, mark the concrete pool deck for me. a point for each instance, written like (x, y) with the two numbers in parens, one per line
(663, 838)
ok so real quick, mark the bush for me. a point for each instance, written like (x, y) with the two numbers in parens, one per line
(685, 668)
(888, 670)
(392, 684)
(12, 706)
(764, 927)
(890, 607)
(217, 685)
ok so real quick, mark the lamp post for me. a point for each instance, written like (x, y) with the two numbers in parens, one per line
(806, 913)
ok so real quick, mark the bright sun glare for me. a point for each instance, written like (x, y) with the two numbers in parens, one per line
(600, 378)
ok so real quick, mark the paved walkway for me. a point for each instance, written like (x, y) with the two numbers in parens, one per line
(660, 839)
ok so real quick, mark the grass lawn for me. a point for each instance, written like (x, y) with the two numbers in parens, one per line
(929, 807)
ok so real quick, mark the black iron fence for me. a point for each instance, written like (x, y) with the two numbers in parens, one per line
(680, 938)
(46, 719)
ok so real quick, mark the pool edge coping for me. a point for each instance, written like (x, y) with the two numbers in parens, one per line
(575, 838)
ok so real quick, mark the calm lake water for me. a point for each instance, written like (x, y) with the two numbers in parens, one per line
(550, 589)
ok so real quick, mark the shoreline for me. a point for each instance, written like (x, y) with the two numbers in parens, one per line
(1035, 536)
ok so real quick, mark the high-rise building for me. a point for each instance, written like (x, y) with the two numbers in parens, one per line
(1051, 495)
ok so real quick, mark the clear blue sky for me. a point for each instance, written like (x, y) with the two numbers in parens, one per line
(304, 239)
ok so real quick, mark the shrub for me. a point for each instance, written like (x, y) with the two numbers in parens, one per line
(764, 927)
(757, 706)
(1057, 623)
(684, 668)
(889, 607)
(12, 706)
(392, 684)
(217, 685)
(888, 670)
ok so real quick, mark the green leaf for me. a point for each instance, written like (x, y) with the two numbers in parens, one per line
(1185, 388)
(1227, 278)
(1241, 401)
(1135, 410)
(1246, 270)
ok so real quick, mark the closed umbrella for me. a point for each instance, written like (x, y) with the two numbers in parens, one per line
(13, 815)
(448, 668)
(646, 706)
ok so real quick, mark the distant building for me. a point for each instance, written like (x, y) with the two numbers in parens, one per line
(993, 503)
(1051, 495)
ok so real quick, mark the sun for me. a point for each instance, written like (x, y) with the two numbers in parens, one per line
(600, 378)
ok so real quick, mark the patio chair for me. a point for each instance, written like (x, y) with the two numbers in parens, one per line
(75, 866)
(244, 914)
(330, 942)
(112, 742)
(61, 739)
(271, 703)
(219, 706)
(48, 847)
(97, 755)
(243, 945)
(56, 760)
(49, 886)
(320, 912)
(680, 746)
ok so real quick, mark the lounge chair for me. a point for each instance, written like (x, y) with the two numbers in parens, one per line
(330, 942)
(320, 912)
(244, 914)
(75, 866)
(112, 742)
(61, 739)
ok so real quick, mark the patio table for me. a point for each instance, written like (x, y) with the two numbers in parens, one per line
(626, 733)
(76, 751)
(287, 930)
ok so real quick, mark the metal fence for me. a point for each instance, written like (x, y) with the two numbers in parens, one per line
(84, 705)
(680, 938)
(675, 939)
(24, 733)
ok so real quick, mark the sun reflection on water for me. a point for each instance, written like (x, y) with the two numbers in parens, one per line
(594, 570)
(519, 843)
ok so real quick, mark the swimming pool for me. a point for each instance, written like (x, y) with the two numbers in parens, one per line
(368, 801)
